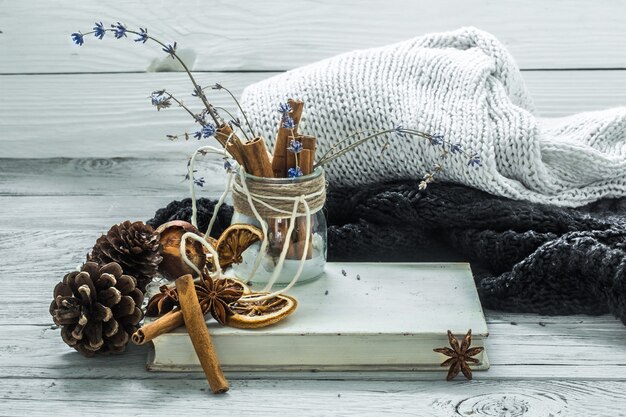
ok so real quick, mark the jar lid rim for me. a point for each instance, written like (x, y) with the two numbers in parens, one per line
(315, 174)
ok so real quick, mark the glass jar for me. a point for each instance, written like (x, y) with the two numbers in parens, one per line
(273, 200)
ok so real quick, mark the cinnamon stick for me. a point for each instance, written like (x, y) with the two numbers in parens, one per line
(309, 142)
(306, 157)
(297, 247)
(279, 164)
(231, 142)
(256, 158)
(297, 107)
(279, 160)
(164, 324)
(291, 160)
(199, 334)
(304, 161)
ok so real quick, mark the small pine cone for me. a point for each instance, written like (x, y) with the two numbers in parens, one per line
(135, 246)
(97, 308)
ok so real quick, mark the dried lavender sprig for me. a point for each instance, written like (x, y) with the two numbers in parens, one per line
(179, 102)
(233, 118)
(218, 86)
(336, 145)
(429, 177)
(435, 139)
(443, 141)
(143, 36)
(350, 147)
(172, 137)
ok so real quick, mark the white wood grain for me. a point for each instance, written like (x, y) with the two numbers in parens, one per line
(92, 396)
(107, 177)
(109, 115)
(94, 214)
(569, 351)
(253, 35)
(103, 115)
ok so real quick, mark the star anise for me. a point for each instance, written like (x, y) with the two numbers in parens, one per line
(216, 294)
(163, 302)
(214, 297)
(459, 355)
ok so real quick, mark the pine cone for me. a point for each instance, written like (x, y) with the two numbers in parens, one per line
(135, 246)
(98, 308)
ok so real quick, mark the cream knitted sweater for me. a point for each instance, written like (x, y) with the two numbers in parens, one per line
(465, 86)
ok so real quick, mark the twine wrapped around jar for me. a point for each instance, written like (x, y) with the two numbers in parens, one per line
(263, 198)
(274, 197)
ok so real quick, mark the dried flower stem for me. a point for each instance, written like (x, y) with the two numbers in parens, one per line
(295, 154)
(180, 104)
(336, 145)
(192, 190)
(330, 155)
(210, 109)
(221, 87)
(233, 118)
(350, 147)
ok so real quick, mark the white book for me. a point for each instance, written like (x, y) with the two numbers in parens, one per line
(356, 317)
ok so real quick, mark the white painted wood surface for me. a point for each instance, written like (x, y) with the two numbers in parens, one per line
(52, 210)
(572, 364)
(271, 35)
(109, 115)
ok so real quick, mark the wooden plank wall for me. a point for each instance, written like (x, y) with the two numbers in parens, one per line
(61, 100)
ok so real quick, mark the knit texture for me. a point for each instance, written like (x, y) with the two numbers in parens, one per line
(463, 85)
(525, 257)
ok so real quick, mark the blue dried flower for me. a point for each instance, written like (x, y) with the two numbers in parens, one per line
(227, 165)
(143, 36)
(398, 129)
(198, 135)
(201, 117)
(294, 172)
(157, 97)
(474, 160)
(456, 148)
(199, 181)
(295, 146)
(436, 140)
(217, 86)
(289, 123)
(120, 30)
(208, 130)
(188, 175)
(170, 49)
(235, 122)
(284, 108)
(77, 37)
(99, 30)
(197, 92)
(159, 100)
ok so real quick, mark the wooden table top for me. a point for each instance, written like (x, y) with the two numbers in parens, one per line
(53, 210)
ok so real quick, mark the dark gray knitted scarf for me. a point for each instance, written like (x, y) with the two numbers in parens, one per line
(525, 257)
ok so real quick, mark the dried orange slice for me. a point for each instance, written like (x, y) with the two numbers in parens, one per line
(255, 314)
(212, 241)
(244, 288)
(234, 241)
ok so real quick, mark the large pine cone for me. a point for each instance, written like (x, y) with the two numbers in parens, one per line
(98, 308)
(135, 246)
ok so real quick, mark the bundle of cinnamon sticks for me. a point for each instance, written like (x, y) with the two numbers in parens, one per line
(294, 156)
